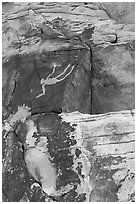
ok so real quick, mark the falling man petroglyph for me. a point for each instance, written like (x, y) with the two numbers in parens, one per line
(51, 81)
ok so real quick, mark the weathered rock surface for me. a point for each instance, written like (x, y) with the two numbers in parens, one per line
(113, 82)
(42, 68)
(59, 58)
(122, 12)
(71, 157)
(41, 34)
(61, 72)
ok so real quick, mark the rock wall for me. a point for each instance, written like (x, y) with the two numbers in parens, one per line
(69, 157)
(59, 58)
(70, 38)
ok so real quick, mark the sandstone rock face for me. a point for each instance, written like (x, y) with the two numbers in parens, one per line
(63, 35)
(113, 78)
(108, 141)
(45, 81)
(68, 157)
(43, 69)
(122, 12)
(59, 58)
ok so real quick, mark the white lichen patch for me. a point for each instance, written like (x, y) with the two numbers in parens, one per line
(7, 127)
(21, 115)
(40, 168)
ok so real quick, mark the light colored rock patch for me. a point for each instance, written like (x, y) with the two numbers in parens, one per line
(40, 168)
(42, 145)
(111, 136)
(85, 185)
(76, 117)
(107, 31)
(118, 149)
(31, 129)
(64, 190)
(127, 179)
(35, 185)
(21, 115)
(37, 160)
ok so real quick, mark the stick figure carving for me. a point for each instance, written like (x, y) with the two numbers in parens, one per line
(51, 81)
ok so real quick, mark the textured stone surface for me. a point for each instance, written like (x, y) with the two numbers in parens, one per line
(113, 82)
(67, 33)
(109, 141)
(62, 71)
(65, 57)
(51, 154)
(122, 12)
(68, 157)
(43, 68)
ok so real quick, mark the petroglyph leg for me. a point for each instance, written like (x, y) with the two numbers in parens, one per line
(43, 89)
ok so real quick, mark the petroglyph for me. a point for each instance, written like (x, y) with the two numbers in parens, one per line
(54, 80)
